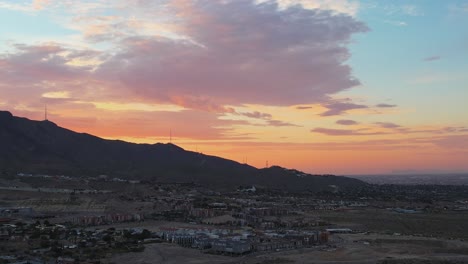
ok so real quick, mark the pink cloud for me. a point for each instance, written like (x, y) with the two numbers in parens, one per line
(200, 103)
(304, 107)
(231, 53)
(338, 108)
(344, 132)
(36, 63)
(257, 115)
(40, 4)
(387, 125)
(33, 70)
(268, 118)
(237, 52)
(346, 122)
(279, 123)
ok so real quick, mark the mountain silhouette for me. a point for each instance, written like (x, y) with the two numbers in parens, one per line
(42, 147)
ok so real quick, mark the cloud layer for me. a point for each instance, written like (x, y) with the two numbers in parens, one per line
(238, 52)
(218, 53)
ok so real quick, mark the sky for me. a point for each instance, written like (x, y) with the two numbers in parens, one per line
(324, 86)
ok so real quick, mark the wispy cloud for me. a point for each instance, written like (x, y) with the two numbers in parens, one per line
(338, 108)
(457, 9)
(412, 10)
(346, 122)
(16, 6)
(408, 10)
(257, 115)
(304, 107)
(279, 123)
(387, 125)
(268, 119)
(40, 4)
(383, 105)
(396, 23)
(346, 132)
(349, 7)
(432, 58)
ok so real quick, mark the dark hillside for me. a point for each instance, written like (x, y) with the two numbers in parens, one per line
(43, 147)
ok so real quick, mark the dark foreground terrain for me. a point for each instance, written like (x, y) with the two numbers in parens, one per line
(59, 219)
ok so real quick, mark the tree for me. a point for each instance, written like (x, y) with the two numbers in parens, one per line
(45, 243)
(107, 238)
(144, 234)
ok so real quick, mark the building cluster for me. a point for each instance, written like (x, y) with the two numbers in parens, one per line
(95, 220)
(239, 242)
(242, 208)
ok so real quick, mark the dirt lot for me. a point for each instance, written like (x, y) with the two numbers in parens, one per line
(351, 248)
(445, 224)
(168, 253)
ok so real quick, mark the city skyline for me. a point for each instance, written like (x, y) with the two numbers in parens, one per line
(326, 86)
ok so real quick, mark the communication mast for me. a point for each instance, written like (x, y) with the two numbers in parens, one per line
(45, 113)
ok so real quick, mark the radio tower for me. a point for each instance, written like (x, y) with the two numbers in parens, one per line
(45, 113)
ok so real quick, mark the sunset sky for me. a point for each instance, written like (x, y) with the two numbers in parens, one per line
(324, 86)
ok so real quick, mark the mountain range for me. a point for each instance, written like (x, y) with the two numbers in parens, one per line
(42, 147)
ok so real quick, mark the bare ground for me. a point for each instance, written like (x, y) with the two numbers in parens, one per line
(351, 249)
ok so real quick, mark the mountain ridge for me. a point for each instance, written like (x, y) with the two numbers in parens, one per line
(44, 147)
